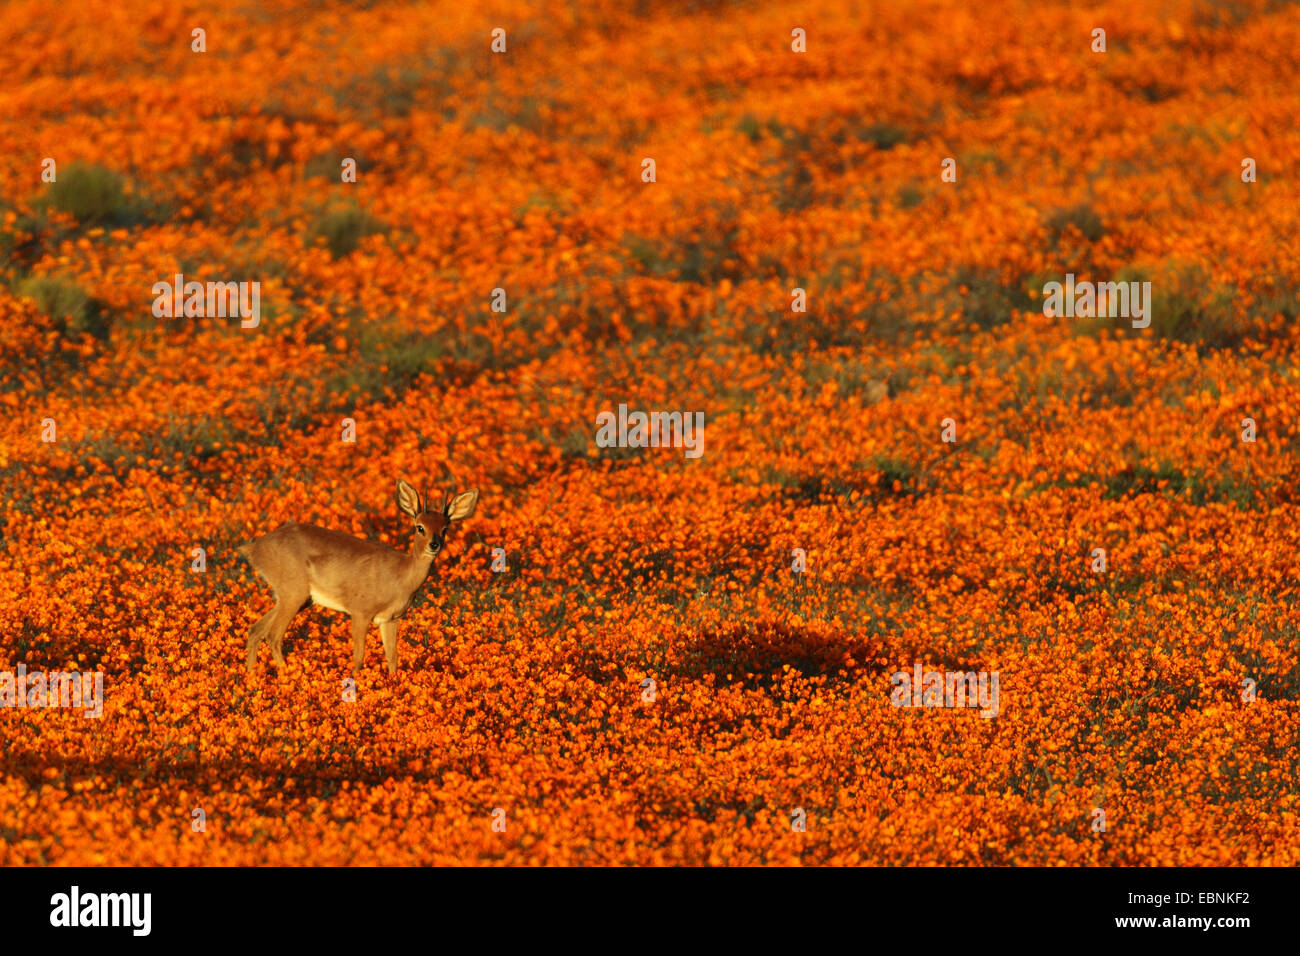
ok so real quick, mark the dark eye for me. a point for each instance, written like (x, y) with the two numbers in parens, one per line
(419, 529)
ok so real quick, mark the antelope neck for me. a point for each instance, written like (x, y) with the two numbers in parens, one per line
(421, 561)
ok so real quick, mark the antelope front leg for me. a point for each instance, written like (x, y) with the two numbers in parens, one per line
(388, 631)
(359, 625)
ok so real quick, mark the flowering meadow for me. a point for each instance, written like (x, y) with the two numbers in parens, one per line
(824, 230)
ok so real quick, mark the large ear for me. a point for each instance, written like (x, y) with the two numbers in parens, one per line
(408, 502)
(462, 506)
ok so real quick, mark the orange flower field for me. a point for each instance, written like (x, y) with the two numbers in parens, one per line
(825, 234)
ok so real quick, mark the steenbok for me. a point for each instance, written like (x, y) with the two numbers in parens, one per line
(364, 579)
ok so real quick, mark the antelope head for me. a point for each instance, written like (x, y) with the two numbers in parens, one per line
(431, 524)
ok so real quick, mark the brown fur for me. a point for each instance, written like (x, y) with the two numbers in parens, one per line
(366, 580)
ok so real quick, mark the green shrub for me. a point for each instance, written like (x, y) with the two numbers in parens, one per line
(987, 301)
(1284, 301)
(499, 113)
(21, 241)
(94, 196)
(1169, 479)
(64, 301)
(705, 258)
(1081, 217)
(573, 444)
(881, 135)
(343, 227)
(755, 128)
(388, 361)
(1186, 305)
(329, 165)
(198, 438)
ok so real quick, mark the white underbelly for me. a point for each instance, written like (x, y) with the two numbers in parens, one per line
(329, 601)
